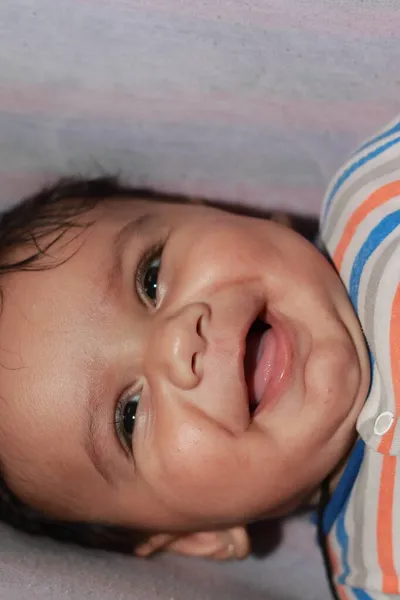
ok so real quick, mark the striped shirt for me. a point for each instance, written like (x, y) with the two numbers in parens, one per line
(361, 233)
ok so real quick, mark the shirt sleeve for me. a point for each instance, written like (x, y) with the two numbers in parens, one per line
(345, 592)
(360, 230)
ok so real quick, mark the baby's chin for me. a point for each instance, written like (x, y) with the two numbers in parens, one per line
(334, 375)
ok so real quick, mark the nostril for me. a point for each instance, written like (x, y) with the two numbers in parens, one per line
(197, 365)
(198, 326)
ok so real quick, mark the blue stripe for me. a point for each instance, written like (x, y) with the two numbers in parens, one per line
(380, 137)
(344, 487)
(337, 507)
(342, 536)
(343, 539)
(360, 594)
(352, 168)
(375, 238)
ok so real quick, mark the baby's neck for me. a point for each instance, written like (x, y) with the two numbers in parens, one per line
(333, 478)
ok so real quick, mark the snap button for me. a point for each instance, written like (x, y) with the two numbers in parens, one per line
(383, 423)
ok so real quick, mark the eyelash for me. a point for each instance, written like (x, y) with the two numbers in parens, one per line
(119, 421)
(152, 253)
(147, 258)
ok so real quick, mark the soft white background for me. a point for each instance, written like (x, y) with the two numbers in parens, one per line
(249, 100)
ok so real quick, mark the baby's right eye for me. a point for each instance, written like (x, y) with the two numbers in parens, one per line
(125, 417)
(147, 276)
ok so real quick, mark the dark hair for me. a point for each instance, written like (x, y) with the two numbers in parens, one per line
(36, 224)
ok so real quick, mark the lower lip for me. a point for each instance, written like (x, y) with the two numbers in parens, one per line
(280, 369)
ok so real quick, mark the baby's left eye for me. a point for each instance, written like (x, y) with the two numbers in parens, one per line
(125, 418)
(147, 276)
(150, 279)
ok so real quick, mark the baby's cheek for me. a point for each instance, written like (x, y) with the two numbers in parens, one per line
(190, 464)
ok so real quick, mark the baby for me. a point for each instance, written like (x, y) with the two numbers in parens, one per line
(171, 371)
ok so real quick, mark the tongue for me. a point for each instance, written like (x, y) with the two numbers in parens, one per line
(263, 368)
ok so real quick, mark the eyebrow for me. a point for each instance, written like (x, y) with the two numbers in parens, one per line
(93, 437)
(129, 231)
(94, 442)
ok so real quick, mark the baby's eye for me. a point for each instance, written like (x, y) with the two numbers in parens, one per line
(147, 276)
(151, 279)
(125, 416)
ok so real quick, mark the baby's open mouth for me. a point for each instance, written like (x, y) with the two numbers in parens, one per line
(258, 360)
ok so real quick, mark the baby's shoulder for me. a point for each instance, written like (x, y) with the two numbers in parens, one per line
(360, 223)
(364, 190)
(361, 233)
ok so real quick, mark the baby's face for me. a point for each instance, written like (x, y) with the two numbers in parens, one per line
(130, 372)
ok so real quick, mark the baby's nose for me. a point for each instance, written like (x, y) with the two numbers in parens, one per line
(179, 345)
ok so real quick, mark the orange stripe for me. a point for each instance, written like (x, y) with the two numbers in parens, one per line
(390, 581)
(395, 346)
(384, 530)
(341, 593)
(380, 196)
(334, 562)
(388, 476)
(387, 440)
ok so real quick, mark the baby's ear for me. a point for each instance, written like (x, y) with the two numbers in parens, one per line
(227, 544)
